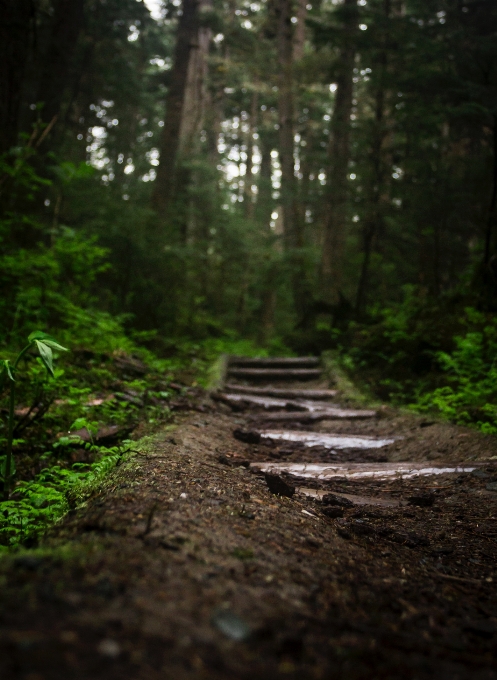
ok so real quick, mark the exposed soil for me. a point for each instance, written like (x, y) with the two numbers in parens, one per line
(185, 565)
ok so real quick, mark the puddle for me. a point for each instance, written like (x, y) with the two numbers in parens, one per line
(359, 470)
(332, 441)
(271, 402)
(356, 500)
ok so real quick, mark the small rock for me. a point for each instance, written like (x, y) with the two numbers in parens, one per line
(485, 629)
(109, 648)
(342, 531)
(333, 499)
(231, 625)
(423, 500)
(480, 474)
(277, 485)
(247, 436)
(313, 542)
(492, 486)
(332, 511)
(360, 528)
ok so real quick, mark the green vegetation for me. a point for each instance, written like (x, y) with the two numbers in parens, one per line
(44, 343)
(262, 178)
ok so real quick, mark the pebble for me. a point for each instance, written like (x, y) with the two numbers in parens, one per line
(277, 485)
(109, 648)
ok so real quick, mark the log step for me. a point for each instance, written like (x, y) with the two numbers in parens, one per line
(275, 373)
(274, 403)
(274, 362)
(281, 393)
(313, 417)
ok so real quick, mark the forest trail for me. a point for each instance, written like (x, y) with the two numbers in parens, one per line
(375, 558)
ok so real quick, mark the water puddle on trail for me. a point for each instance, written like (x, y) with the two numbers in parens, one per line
(331, 441)
(359, 470)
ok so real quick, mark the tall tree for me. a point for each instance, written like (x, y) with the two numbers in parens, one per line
(332, 260)
(58, 72)
(15, 33)
(185, 100)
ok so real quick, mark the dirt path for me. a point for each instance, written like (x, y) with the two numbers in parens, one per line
(187, 566)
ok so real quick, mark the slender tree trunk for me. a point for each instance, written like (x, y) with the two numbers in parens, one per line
(249, 175)
(57, 74)
(299, 33)
(187, 35)
(292, 227)
(374, 216)
(196, 94)
(487, 254)
(339, 150)
(284, 39)
(15, 30)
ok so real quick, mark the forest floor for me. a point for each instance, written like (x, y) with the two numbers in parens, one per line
(185, 565)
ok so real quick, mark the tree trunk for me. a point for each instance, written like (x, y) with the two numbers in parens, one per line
(332, 260)
(292, 226)
(299, 33)
(56, 76)
(15, 29)
(175, 104)
(185, 103)
(249, 174)
(374, 216)
(284, 38)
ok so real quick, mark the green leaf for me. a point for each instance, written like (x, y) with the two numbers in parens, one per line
(3, 468)
(6, 368)
(54, 345)
(47, 340)
(46, 356)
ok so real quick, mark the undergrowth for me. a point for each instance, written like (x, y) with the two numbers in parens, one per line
(429, 357)
(72, 428)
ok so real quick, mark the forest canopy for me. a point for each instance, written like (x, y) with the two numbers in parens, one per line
(312, 175)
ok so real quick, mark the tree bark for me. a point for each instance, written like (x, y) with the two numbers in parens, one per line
(299, 33)
(185, 102)
(56, 77)
(15, 30)
(284, 39)
(374, 216)
(335, 223)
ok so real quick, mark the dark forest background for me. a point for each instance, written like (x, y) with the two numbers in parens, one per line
(299, 175)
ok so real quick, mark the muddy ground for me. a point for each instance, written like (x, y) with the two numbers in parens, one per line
(184, 565)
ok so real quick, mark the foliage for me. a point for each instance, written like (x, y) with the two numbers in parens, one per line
(40, 502)
(470, 398)
(430, 358)
(44, 344)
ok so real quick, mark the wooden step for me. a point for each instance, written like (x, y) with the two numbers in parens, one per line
(273, 362)
(281, 393)
(266, 402)
(275, 373)
(314, 416)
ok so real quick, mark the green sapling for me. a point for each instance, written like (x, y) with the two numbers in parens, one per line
(44, 343)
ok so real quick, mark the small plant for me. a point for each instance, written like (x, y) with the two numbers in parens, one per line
(44, 343)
